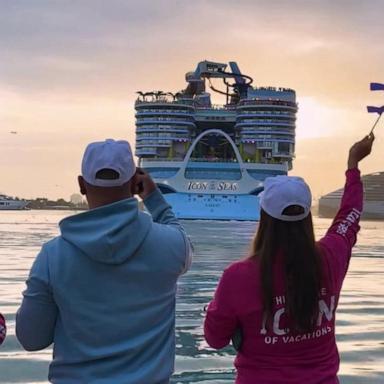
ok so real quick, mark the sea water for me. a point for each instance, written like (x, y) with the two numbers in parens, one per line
(360, 316)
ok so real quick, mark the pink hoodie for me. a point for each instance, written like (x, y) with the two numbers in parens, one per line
(275, 355)
(3, 329)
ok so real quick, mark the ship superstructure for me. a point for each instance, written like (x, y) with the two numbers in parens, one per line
(210, 160)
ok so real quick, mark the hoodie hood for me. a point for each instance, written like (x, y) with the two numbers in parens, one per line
(110, 234)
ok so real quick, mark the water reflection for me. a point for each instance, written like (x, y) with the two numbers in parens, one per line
(360, 318)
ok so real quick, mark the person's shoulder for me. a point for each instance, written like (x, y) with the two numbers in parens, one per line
(163, 236)
(241, 276)
(163, 230)
(242, 268)
(55, 246)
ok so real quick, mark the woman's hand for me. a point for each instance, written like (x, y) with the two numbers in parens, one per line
(360, 150)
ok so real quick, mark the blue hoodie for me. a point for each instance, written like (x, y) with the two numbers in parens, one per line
(104, 293)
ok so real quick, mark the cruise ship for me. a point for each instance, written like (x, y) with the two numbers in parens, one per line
(210, 161)
(373, 198)
(9, 203)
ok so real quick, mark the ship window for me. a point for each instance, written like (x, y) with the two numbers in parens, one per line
(284, 147)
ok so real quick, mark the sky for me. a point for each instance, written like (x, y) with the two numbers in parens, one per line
(69, 70)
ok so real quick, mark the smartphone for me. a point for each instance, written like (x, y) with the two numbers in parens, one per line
(140, 186)
(237, 339)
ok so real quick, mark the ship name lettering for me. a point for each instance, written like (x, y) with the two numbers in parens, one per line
(195, 185)
(224, 186)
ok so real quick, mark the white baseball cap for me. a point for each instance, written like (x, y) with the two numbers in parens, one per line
(108, 154)
(281, 192)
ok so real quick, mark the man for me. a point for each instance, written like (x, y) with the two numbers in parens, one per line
(103, 292)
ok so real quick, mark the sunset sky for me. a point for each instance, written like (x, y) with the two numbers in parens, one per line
(69, 71)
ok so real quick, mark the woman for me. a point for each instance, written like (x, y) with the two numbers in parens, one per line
(282, 298)
(3, 329)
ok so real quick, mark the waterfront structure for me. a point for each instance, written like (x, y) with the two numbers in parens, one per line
(373, 198)
(210, 160)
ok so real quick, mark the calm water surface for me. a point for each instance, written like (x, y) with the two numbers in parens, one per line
(360, 318)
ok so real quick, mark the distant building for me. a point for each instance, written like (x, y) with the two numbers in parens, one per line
(373, 198)
(76, 199)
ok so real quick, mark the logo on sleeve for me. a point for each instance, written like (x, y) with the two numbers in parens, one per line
(352, 217)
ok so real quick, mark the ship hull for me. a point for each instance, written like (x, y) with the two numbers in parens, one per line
(214, 207)
(212, 191)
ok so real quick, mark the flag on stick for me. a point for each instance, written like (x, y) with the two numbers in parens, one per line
(378, 110)
(377, 87)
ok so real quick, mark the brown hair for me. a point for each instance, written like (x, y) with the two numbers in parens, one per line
(301, 266)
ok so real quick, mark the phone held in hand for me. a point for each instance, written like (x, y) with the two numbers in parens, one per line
(140, 185)
(140, 188)
(237, 339)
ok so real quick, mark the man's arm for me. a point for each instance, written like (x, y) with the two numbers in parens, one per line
(153, 199)
(160, 210)
(36, 318)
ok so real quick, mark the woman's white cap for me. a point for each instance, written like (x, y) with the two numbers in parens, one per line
(108, 154)
(281, 192)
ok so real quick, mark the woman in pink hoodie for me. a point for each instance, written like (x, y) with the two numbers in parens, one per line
(280, 302)
(3, 329)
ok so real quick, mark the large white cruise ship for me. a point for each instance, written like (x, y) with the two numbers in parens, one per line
(9, 203)
(209, 160)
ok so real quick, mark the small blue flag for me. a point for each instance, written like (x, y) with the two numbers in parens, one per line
(377, 87)
(378, 110)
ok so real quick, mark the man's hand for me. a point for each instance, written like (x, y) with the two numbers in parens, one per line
(360, 150)
(143, 185)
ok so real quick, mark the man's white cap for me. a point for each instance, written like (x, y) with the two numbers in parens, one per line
(281, 192)
(108, 154)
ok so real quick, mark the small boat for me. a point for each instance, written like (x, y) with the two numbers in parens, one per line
(9, 203)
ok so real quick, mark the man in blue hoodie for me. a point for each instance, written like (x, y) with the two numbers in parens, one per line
(103, 292)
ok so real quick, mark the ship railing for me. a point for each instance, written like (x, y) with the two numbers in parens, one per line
(173, 112)
(265, 113)
(183, 102)
(163, 118)
(263, 121)
(275, 89)
(161, 129)
(267, 102)
(211, 160)
(227, 161)
(145, 137)
(165, 159)
(217, 107)
(254, 133)
(196, 159)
